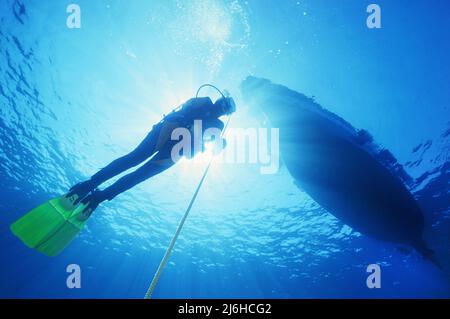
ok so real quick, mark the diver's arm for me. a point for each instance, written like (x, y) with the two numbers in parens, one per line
(197, 108)
(213, 123)
(219, 125)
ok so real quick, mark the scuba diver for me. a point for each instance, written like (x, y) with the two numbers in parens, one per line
(50, 227)
(157, 143)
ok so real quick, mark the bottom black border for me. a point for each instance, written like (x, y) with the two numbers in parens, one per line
(242, 308)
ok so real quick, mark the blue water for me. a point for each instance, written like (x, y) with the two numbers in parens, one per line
(72, 100)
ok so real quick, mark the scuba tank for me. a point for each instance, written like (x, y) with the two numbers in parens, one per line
(229, 103)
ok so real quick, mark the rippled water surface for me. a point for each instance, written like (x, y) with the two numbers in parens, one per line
(72, 100)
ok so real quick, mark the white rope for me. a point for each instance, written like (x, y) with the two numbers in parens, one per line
(166, 257)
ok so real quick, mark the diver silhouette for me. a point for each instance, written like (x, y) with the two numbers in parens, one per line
(156, 147)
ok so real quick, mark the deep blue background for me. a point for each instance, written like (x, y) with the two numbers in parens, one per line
(73, 100)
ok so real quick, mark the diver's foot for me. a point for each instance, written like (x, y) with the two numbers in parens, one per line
(85, 214)
(80, 191)
(91, 201)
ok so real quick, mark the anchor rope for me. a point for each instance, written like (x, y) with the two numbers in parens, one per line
(169, 250)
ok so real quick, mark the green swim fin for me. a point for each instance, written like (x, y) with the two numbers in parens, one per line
(50, 227)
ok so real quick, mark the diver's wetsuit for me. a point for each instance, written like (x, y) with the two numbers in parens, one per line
(158, 144)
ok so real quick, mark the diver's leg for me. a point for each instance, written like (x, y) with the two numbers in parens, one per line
(143, 151)
(159, 163)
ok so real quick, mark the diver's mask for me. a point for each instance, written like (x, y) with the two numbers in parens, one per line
(227, 103)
